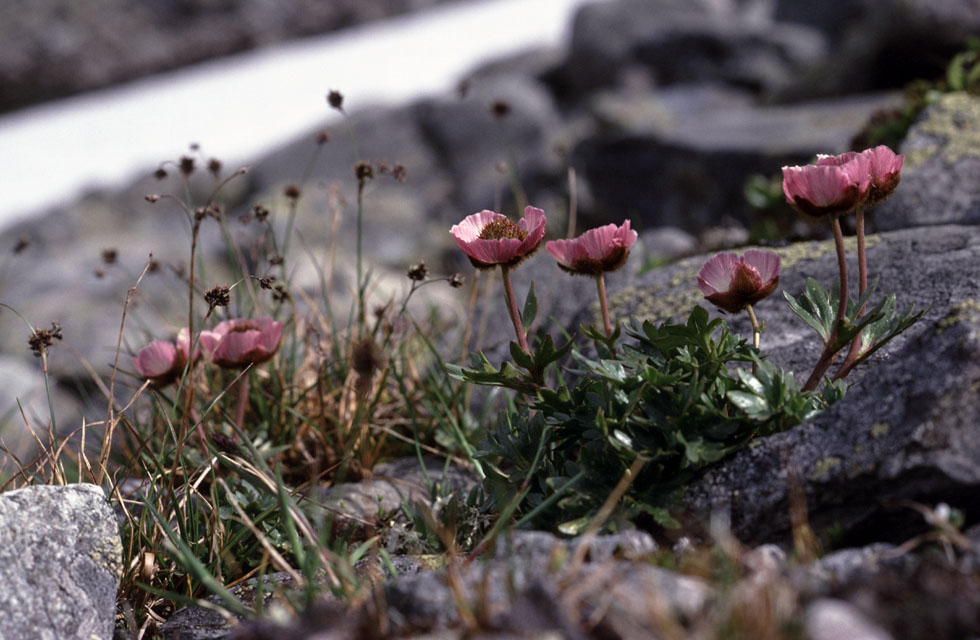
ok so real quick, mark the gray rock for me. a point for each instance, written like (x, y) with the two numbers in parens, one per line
(897, 435)
(393, 484)
(942, 161)
(475, 144)
(684, 42)
(684, 162)
(828, 619)
(60, 563)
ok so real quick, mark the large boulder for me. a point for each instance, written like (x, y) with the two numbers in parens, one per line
(681, 157)
(60, 563)
(906, 431)
(942, 162)
(684, 42)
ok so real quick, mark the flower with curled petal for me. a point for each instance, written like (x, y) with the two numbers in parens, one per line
(732, 283)
(595, 251)
(835, 185)
(240, 342)
(885, 168)
(490, 239)
(161, 362)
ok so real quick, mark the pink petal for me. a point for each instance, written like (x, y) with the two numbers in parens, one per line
(156, 359)
(716, 273)
(767, 263)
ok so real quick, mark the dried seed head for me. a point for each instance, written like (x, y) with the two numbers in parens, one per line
(280, 293)
(322, 136)
(500, 108)
(267, 282)
(275, 261)
(336, 100)
(152, 266)
(22, 243)
(99, 273)
(364, 171)
(291, 191)
(418, 271)
(456, 281)
(41, 339)
(214, 166)
(260, 212)
(218, 296)
(160, 174)
(151, 197)
(364, 357)
(186, 165)
(109, 256)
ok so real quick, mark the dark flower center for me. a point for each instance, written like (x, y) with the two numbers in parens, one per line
(501, 228)
(242, 327)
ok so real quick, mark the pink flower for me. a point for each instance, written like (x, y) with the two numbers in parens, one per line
(885, 168)
(595, 251)
(242, 341)
(489, 238)
(161, 362)
(835, 185)
(730, 282)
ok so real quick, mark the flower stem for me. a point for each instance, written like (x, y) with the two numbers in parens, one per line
(512, 307)
(853, 352)
(756, 332)
(242, 402)
(831, 349)
(601, 283)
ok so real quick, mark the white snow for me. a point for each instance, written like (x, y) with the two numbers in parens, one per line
(239, 107)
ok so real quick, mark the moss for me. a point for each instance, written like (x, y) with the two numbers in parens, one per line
(681, 293)
(108, 555)
(954, 119)
(965, 311)
(823, 468)
(880, 429)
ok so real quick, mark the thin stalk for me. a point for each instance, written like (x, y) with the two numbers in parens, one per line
(831, 349)
(242, 402)
(601, 284)
(756, 332)
(853, 352)
(360, 267)
(512, 307)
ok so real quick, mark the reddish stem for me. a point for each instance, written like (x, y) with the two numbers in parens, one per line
(830, 349)
(514, 315)
(853, 352)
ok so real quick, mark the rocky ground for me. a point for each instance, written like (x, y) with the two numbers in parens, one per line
(663, 124)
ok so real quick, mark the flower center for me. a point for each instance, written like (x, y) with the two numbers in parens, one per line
(242, 327)
(501, 228)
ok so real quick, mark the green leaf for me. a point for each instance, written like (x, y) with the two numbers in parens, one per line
(807, 317)
(750, 403)
(530, 308)
(519, 357)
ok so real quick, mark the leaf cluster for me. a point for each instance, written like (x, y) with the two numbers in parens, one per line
(679, 396)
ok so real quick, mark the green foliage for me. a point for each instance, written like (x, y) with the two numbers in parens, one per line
(679, 396)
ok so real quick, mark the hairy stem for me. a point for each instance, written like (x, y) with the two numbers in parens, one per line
(512, 307)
